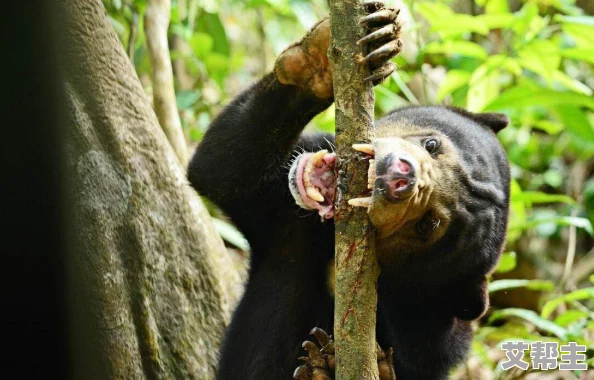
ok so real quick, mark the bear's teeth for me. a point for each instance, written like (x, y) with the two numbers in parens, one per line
(365, 148)
(317, 157)
(314, 194)
(361, 202)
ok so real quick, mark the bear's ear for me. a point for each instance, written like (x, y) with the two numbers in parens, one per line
(492, 120)
(495, 121)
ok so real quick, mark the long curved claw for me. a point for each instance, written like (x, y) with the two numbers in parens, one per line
(384, 53)
(374, 5)
(387, 32)
(321, 335)
(302, 373)
(315, 356)
(382, 73)
(384, 15)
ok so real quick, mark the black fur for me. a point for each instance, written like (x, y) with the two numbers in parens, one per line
(424, 304)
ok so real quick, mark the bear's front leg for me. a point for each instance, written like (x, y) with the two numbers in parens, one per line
(312, 181)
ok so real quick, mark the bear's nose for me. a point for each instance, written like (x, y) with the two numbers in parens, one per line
(396, 176)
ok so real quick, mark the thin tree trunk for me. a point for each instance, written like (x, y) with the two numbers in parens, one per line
(150, 285)
(156, 23)
(356, 265)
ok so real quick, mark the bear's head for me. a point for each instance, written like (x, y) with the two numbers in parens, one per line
(440, 191)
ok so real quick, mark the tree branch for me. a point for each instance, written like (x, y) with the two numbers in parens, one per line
(156, 22)
(356, 265)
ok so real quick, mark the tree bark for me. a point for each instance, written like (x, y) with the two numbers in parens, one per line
(156, 23)
(356, 265)
(150, 285)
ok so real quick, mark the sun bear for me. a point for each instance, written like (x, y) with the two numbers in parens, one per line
(439, 198)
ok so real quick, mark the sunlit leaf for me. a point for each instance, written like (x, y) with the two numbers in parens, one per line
(521, 97)
(578, 222)
(581, 20)
(454, 80)
(434, 12)
(513, 284)
(464, 48)
(507, 262)
(532, 197)
(583, 35)
(582, 54)
(550, 127)
(570, 316)
(186, 99)
(497, 7)
(571, 83)
(581, 294)
(541, 57)
(496, 21)
(576, 122)
(201, 44)
(230, 234)
(484, 87)
(532, 317)
(210, 23)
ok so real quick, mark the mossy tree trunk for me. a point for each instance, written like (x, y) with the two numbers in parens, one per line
(356, 265)
(150, 285)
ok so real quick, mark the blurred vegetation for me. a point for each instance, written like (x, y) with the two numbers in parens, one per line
(533, 60)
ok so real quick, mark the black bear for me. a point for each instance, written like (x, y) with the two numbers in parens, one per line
(439, 183)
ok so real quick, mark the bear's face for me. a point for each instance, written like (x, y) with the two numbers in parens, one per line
(440, 184)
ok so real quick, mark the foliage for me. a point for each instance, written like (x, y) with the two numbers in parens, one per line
(534, 62)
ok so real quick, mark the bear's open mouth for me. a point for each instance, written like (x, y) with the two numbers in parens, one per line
(313, 181)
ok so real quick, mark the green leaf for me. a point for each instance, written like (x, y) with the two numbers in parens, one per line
(570, 316)
(523, 96)
(454, 80)
(434, 12)
(570, 83)
(576, 122)
(484, 87)
(230, 234)
(201, 44)
(583, 35)
(459, 24)
(532, 197)
(531, 317)
(581, 294)
(513, 284)
(541, 57)
(581, 20)
(497, 7)
(507, 262)
(497, 21)
(592, 278)
(210, 24)
(463, 48)
(581, 54)
(562, 221)
(550, 127)
(187, 99)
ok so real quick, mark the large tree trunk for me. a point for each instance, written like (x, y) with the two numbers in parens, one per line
(356, 265)
(150, 283)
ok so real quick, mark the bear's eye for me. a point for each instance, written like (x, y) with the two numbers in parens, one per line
(431, 145)
(427, 225)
